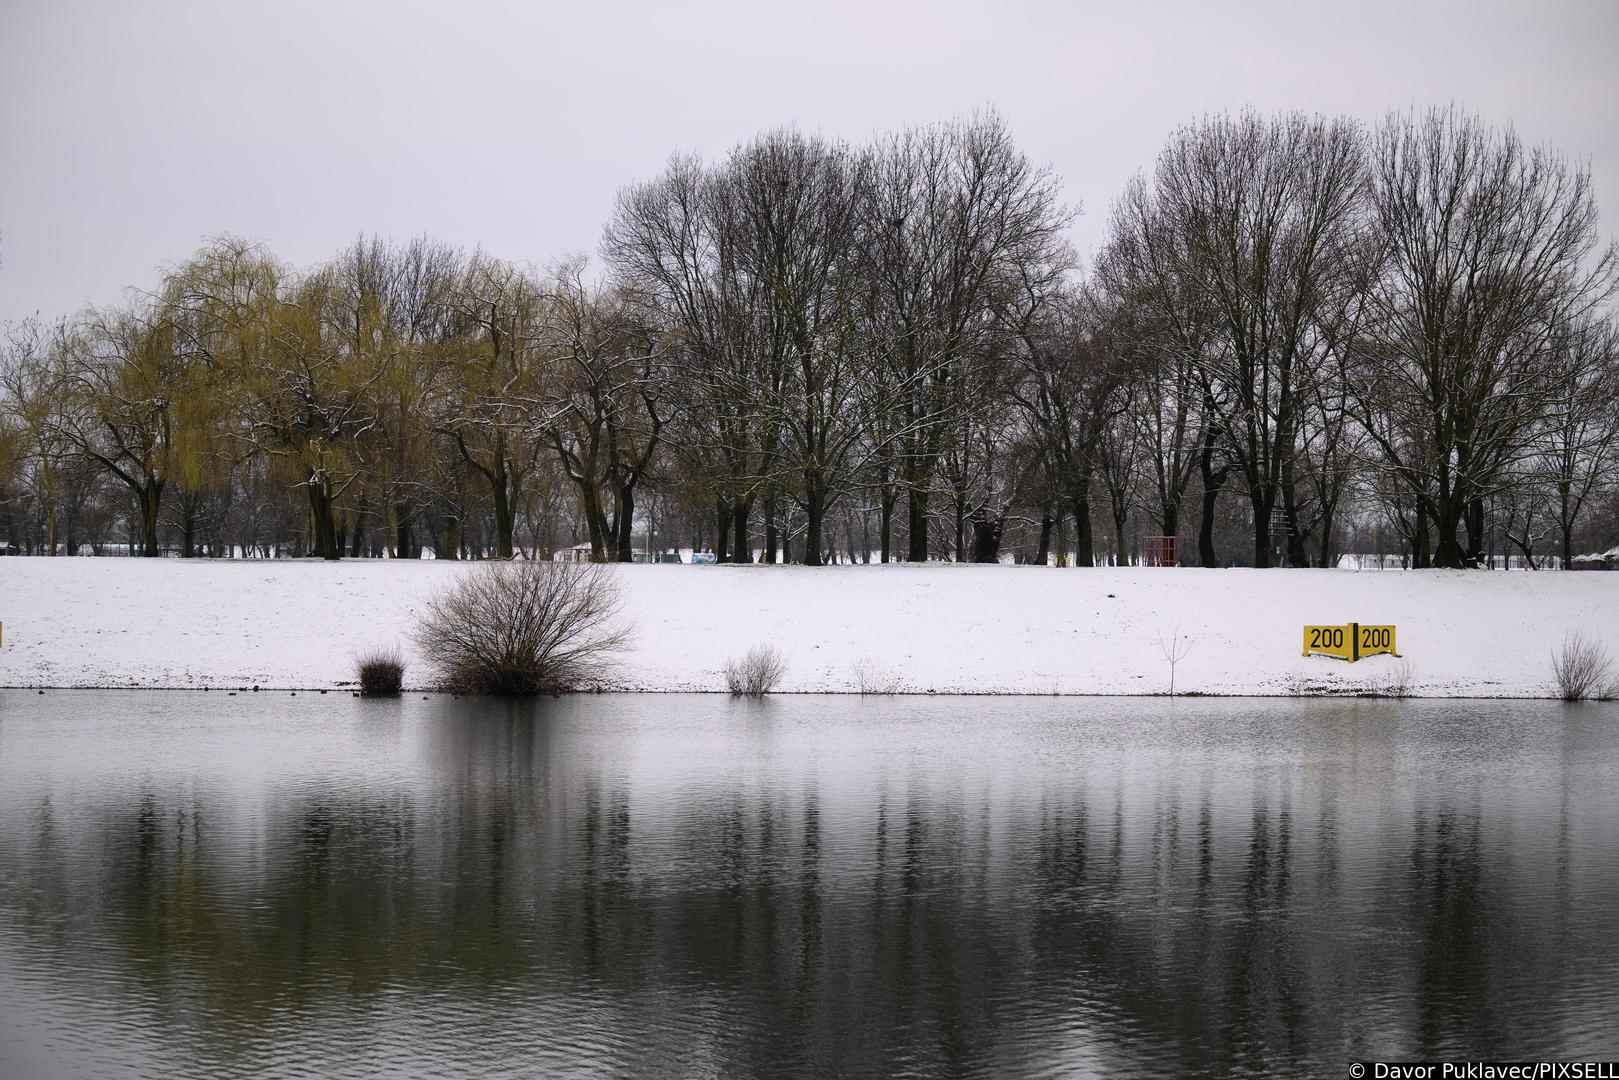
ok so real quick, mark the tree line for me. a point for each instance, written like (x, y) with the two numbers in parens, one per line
(1301, 331)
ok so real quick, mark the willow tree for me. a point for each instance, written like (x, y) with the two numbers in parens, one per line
(39, 459)
(311, 402)
(491, 366)
(395, 306)
(117, 386)
(220, 304)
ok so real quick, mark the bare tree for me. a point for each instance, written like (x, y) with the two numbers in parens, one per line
(603, 417)
(1072, 385)
(957, 221)
(1249, 223)
(1579, 437)
(1491, 248)
(676, 243)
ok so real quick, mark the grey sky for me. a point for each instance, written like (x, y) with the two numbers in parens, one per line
(131, 131)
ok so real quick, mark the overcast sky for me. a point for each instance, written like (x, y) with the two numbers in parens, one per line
(130, 131)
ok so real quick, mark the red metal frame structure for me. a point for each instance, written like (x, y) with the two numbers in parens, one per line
(1159, 551)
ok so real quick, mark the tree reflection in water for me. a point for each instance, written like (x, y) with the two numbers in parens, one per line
(694, 885)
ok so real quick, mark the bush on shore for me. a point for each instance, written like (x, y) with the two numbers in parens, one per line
(1581, 669)
(381, 673)
(529, 627)
(757, 673)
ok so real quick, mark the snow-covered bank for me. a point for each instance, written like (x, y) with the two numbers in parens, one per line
(939, 628)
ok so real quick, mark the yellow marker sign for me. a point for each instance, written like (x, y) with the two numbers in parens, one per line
(1350, 642)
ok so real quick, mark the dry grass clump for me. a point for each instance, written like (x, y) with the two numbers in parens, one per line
(524, 628)
(872, 679)
(757, 673)
(1582, 669)
(1397, 681)
(381, 672)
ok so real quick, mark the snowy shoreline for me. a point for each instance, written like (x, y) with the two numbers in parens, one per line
(938, 628)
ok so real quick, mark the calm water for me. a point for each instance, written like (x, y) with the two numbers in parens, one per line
(276, 886)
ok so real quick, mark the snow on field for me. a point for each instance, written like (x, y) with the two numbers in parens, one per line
(936, 628)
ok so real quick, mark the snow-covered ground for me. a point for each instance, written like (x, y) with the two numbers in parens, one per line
(938, 628)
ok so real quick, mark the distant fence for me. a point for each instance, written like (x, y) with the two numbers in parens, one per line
(1403, 562)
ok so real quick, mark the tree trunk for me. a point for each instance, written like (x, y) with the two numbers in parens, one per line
(590, 501)
(188, 530)
(769, 555)
(324, 527)
(961, 529)
(1327, 512)
(814, 513)
(151, 497)
(1418, 535)
(1084, 546)
(1448, 554)
(722, 521)
(1294, 544)
(359, 537)
(1046, 515)
(918, 510)
(625, 547)
(1213, 480)
(741, 552)
(1262, 501)
(885, 529)
(403, 540)
(1477, 536)
(452, 538)
(505, 518)
(987, 537)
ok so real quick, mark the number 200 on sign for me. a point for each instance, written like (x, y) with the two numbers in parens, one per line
(1349, 642)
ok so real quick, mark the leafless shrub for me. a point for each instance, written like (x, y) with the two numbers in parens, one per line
(874, 679)
(757, 673)
(1394, 682)
(1582, 669)
(1398, 681)
(381, 672)
(524, 628)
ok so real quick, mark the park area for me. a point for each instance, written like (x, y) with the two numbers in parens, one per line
(920, 629)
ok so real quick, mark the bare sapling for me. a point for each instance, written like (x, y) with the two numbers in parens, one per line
(1174, 650)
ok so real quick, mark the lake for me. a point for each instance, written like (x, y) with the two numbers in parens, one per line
(196, 884)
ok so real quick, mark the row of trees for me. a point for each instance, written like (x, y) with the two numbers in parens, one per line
(1303, 328)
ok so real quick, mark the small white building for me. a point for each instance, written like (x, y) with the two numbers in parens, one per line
(577, 553)
(1605, 560)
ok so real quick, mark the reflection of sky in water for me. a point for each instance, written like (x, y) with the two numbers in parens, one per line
(191, 883)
